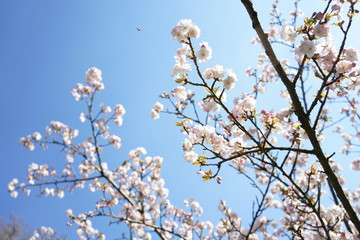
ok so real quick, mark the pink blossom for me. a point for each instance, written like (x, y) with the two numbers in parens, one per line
(246, 104)
(14, 194)
(288, 33)
(218, 71)
(93, 75)
(208, 73)
(155, 114)
(185, 28)
(194, 31)
(158, 107)
(118, 121)
(344, 66)
(37, 136)
(119, 110)
(94, 78)
(181, 66)
(208, 105)
(115, 140)
(191, 156)
(230, 81)
(322, 30)
(180, 93)
(187, 145)
(355, 165)
(205, 52)
(308, 48)
(351, 54)
(82, 117)
(27, 142)
(69, 213)
(106, 110)
(215, 72)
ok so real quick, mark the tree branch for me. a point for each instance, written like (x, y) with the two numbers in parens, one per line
(300, 113)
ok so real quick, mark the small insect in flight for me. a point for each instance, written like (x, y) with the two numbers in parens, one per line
(139, 29)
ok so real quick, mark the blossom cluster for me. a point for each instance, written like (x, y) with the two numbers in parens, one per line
(185, 28)
(184, 31)
(45, 233)
(158, 107)
(133, 193)
(275, 144)
(281, 152)
(94, 83)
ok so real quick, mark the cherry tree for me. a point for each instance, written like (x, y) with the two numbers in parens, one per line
(282, 152)
(15, 229)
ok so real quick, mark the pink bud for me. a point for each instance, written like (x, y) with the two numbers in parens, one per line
(319, 16)
(335, 7)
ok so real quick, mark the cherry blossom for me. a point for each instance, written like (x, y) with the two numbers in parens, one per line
(288, 33)
(205, 52)
(185, 28)
(321, 30)
(308, 48)
(158, 107)
(281, 151)
(180, 93)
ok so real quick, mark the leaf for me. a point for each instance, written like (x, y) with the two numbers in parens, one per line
(200, 161)
(207, 176)
(329, 16)
(339, 24)
(207, 97)
(180, 124)
(211, 91)
(179, 80)
(207, 90)
(318, 75)
(215, 89)
(313, 168)
(310, 22)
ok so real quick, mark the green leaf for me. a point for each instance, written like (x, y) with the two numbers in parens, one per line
(179, 80)
(207, 176)
(200, 161)
(180, 124)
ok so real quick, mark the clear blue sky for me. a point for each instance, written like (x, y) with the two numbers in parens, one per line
(45, 49)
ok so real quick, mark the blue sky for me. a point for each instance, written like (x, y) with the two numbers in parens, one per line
(46, 47)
